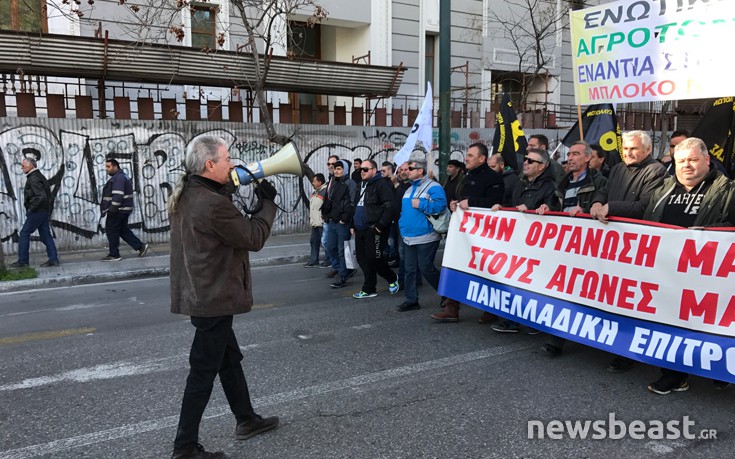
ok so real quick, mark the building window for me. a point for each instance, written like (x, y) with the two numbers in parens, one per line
(204, 26)
(430, 55)
(23, 15)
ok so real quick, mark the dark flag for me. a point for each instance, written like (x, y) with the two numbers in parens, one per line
(509, 139)
(716, 130)
(600, 126)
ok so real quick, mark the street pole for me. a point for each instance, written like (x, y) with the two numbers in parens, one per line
(445, 86)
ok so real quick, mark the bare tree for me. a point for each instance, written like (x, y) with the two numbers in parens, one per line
(531, 27)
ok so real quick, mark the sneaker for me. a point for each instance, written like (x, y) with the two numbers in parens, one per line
(553, 351)
(111, 258)
(249, 429)
(506, 326)
(667, 384)
(393, 288)
(361, 294)
(197, 452)
(332, 273)
(18, 264)
(311, 265)
(338, 282)
(487, 318)
(50, 264)
(143, 250)
(446, 316)
(620, 364)
(350, 273)
(405, 306)
(325, 265)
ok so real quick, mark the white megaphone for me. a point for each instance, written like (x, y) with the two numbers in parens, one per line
(286, 161)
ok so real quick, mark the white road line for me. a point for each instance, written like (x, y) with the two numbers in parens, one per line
(66, 444)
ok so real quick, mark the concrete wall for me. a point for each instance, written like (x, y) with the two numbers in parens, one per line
(151, 152)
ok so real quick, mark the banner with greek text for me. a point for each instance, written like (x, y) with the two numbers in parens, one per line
(660, 295)
(648, 50)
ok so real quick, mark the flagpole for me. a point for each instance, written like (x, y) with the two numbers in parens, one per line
(579, 122)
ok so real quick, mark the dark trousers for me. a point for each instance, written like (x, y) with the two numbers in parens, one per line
(369, 246)
(214, 351)
(116, 227)
(316, 244)
(37, 220)
(337, 234)
(419, 260)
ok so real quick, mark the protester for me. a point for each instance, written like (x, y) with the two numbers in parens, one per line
(697, 195)
(328, 261)
(357, 162)
(420, 241)
(510, 178)
(337, 210)
(452, 183)
(117, 205)
(534, 189)
(370, 226)
(483, 187)
(676, 138)
(541, 142)
(387, 170)
(37, 202)
(315, 219)
(628, 190)
(575, 194)
(210, 281)
(598, 161)
(402, 184)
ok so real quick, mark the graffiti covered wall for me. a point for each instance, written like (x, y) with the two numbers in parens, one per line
(72, 156)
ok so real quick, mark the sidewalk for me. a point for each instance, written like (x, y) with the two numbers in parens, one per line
(86, 267)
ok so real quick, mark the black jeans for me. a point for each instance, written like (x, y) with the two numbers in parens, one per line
(116, 227)
(214, 351)
(369, 246)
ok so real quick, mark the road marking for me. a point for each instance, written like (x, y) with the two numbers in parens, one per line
(129, 430)
(39, 336)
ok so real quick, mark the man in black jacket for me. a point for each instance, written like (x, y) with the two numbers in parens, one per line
(628, 190)
(482, 187)
(337, 210)
(371, 225)
(37, 201)
(510, 178)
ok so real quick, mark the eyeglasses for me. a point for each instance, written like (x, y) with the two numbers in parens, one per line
(366, 169)
(331, 164)
(411, 168)
(531, 160)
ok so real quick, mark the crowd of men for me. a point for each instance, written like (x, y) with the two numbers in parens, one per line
(385, 210)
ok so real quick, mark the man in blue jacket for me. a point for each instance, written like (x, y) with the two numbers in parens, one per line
(420, 241)
(117, 205)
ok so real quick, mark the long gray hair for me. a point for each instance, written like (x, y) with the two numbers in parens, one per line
(202, 148)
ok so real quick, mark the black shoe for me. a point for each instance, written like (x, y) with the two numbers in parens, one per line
(667, 384)
(405, 306)
(18, 264)
(506, 326)
(143, 250)
(332, 273)
(338, 282)
(197, 452)
(111, 258)
(257, 426)
(350, 273)
(720, 384)
(325, 265)
(620, 365)
(311, 265)
(50, 263)
(552, 350)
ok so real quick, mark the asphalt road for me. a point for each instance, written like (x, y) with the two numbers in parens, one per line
(98, 371)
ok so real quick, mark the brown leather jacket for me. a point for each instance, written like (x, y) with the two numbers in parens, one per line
(210, 244)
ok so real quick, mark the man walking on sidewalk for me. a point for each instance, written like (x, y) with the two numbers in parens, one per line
(37, 201)
(117, 205)
(371, 226)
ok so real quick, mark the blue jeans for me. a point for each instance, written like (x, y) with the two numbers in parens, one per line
(419, 257)
(316, 244)
(338, 234)
(327, 257)
(116, 227)
(38, 220)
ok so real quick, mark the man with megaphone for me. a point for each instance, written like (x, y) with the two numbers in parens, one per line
(211, 282)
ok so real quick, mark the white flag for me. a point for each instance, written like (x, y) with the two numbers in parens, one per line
(421, 130)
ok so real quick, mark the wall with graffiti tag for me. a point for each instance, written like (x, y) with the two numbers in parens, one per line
(72, 156)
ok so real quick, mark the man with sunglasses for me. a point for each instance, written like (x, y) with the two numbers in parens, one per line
(371, 227)
(482, 187)
(328, 261)
(535, 189)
